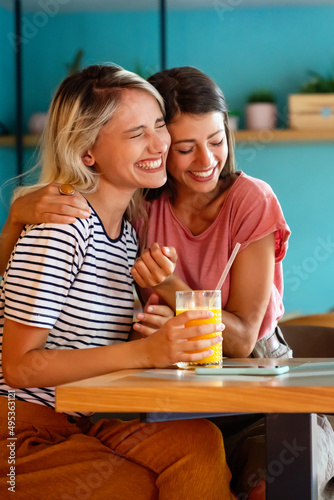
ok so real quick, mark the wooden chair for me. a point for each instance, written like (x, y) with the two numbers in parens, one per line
(325, 319)
(310, 336)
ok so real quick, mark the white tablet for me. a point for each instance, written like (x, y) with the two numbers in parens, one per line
(243, 370)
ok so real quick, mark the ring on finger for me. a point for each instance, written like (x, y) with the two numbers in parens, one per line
(66, 189)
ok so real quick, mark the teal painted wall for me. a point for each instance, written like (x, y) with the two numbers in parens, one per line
(243, 50)
(7, 107)
(122, 38)
(7, 68)
(250, 49)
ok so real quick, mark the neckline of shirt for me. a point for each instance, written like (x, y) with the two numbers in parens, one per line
(215, 222)
(112, 240)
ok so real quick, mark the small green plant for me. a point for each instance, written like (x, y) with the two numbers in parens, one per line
(75, 65)
(261, 96)
(318, 84)
(234, 112)
(144, 72)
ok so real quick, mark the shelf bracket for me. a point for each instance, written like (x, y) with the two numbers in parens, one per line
(163, 45)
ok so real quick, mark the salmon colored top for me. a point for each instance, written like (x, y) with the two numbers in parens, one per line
(249, 212)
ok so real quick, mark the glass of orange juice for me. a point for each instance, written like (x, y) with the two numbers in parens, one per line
(207, 300)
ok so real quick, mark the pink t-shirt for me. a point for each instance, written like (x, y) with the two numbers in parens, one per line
(249, 212)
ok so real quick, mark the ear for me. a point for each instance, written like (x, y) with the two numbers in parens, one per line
(88, 159)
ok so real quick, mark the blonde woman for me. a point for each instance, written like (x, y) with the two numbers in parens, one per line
(66, 311)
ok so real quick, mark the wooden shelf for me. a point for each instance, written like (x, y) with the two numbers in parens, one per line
(267, 136)
(9, 141)
(264, 136)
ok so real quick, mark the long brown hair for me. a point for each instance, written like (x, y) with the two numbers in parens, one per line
(188, 90)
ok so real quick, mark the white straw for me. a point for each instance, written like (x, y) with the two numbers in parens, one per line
(228, 266)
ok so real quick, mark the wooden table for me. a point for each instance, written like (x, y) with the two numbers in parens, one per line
(290, 402)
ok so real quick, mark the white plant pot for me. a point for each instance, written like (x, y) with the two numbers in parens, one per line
(261, 115)
(233, 121)
(37, 123)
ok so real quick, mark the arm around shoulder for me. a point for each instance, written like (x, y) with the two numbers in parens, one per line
(42, 205)
(8, 237)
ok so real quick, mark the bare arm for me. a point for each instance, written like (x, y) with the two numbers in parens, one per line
(252, 277)
(43, 205)
(250, 288)
(26, 362)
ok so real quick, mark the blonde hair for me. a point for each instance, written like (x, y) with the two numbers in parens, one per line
(82, 105)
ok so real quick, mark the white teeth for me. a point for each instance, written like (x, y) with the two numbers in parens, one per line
(150, 165)
(206, 173)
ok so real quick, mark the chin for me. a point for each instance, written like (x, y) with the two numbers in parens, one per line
(154, 184)
(205, 187)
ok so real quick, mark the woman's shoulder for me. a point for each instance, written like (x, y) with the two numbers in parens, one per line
(248, 186)
(78, 230)
(256, 212)
(250, 196)
(248, 180)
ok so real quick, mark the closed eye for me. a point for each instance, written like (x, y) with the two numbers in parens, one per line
(138, 135)
(220, 143)
(185, 152)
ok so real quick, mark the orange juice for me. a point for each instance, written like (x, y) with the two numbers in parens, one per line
(217, 357)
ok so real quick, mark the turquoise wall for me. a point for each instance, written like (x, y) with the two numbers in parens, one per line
(243, 50)
(7, 68)
(7, 106)
(122, 38)
(250, 49)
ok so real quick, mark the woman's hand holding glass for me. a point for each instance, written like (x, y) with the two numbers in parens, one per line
(171, 344)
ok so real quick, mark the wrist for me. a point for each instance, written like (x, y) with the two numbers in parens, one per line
(143, 358)
(168, 288)
(13, 217)
(167, 282)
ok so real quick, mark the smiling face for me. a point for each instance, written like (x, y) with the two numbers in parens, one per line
(198, 151)
(131, 149)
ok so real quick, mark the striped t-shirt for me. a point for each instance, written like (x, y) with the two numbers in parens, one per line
(73, 280)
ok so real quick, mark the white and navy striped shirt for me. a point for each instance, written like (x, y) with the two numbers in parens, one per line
(73, 280)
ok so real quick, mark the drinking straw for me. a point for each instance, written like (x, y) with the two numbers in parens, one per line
(228, 266)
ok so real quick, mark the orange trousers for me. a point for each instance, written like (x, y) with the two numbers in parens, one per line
(110, 459)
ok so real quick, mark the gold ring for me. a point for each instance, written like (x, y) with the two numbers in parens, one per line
(66, 189)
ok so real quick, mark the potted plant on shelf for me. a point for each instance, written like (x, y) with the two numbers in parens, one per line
(233, 118)
(261, 110)
(313, 106)
(37, 122)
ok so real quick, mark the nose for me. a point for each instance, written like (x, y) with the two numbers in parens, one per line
(204, 156)
(158, 144)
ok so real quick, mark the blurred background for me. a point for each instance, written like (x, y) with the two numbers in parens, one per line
(245, 46)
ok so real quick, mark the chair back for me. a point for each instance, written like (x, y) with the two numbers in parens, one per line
(322, 319)
(309, 341)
